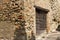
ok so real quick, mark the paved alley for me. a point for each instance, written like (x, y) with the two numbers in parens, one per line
(50, 36)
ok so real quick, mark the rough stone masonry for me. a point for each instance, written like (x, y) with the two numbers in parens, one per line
(18, 18)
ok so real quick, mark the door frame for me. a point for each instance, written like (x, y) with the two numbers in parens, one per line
(38, 9)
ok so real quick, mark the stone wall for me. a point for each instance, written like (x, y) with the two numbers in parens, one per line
(11, 19)
(29, 15)
(55, 8)
(53, 16)
(17, 20)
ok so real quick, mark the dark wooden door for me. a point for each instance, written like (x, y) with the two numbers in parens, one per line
(40, 22)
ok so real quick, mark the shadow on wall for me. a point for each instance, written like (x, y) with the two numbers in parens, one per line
(58, 28)
(20, 34)
(33, 36)
(58, 38)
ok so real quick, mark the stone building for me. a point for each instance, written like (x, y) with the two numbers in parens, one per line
(26, 19)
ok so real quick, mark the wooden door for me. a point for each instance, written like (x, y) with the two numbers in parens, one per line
(40, 22)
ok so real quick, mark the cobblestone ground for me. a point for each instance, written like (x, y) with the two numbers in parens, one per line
(50, 36)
